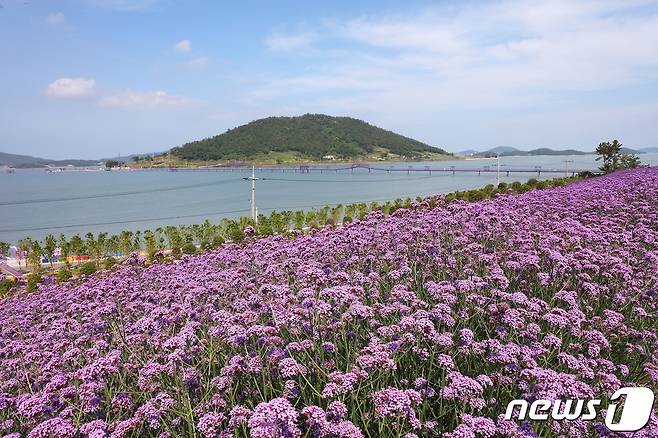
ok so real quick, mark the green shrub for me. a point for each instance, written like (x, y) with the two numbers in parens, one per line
(189, 248)
(502, 186)
(217, 241)
(109, 262)
(347, 219)
(532, 182)
(476, 195)
(63, 275)
(6, 286)
(87, 268)
(33, 282)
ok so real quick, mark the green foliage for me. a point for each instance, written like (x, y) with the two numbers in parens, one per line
(613, 159)
(33, 282)
(6, 286)
(189, 248)
(217, 241)
(629, 161)
(49, 246)
(299, 218)
(236, 232)
(109, 262)
(34, 254)
(111, 163)
(87, 268)
(311, 136)
(63, 275)
(77, 245)
(151, 243)
(4, 249)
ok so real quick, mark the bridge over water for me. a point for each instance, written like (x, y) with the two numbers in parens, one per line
(390, 169)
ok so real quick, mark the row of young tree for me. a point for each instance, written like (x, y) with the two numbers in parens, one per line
(92, 252)
(191, 239)
(184, 239)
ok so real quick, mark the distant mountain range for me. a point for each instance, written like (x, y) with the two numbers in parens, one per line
(29, 162)
(647, 150)
(508, 151)
(26, 161)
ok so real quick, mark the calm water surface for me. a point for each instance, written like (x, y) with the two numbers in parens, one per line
(35, 203)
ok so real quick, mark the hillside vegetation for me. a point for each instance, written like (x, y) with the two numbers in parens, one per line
(26, 161)
(308, 137)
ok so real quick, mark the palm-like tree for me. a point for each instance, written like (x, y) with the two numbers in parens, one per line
(610, 153)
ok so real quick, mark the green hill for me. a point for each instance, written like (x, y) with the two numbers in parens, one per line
(26, 161)
(307, 137)
(506, 151)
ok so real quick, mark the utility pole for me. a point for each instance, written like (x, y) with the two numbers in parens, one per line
(497, 170)
(253, 179)
(566, 166)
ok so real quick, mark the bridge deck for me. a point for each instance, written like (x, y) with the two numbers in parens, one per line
(322, 169)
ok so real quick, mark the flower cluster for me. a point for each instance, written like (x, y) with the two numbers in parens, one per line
(421, 323)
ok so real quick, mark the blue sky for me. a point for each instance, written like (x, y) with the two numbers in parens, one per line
(95, 78)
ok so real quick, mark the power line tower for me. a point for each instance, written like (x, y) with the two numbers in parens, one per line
(253, 179)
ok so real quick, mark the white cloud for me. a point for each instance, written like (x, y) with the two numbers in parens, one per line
(183, 46)
(139, 100)
(284, 43)
(71, 88)
(484, 55)
(55, 18)
(196, 63)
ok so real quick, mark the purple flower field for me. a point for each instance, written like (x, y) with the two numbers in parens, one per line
(423, 323)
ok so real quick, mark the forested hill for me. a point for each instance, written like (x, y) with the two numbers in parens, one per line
(307, 137)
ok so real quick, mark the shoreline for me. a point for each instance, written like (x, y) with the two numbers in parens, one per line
(337, 222)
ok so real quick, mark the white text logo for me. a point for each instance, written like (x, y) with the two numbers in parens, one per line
(634, 416)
